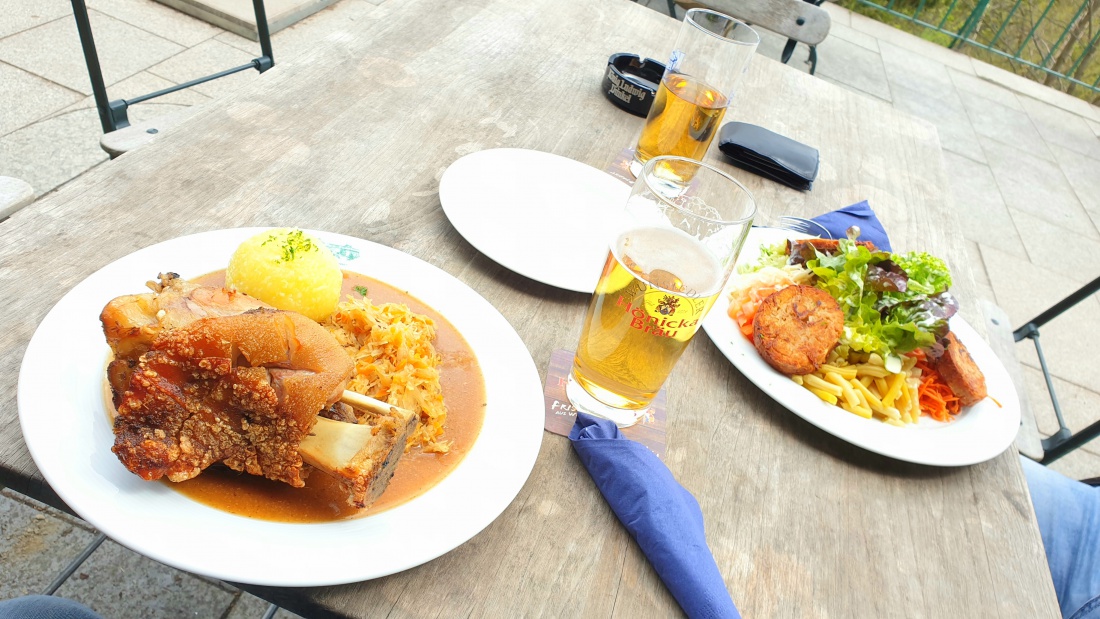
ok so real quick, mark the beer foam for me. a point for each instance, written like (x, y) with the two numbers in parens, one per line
(671, 251)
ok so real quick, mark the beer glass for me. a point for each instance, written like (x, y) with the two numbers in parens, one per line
(711, 54)
(673, 248)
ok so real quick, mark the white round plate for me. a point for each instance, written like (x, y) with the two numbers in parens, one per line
(66, 428)
(979, 433)
(543, 216)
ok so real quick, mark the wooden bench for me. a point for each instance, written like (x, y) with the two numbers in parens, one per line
(14, 195)
(999, 328)
(122, 141)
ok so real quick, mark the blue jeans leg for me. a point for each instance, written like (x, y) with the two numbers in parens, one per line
(44, 607)
(1068, 512)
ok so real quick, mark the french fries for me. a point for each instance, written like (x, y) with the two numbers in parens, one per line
(868, 389)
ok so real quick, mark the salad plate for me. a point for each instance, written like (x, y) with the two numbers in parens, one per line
(69, 435)
(979, 433)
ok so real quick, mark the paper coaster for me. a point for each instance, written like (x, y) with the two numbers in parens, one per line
(620, 168)
(560, 414)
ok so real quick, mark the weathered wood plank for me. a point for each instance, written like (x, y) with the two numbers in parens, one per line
(354, 139)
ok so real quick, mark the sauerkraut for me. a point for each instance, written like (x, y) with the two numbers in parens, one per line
(395, 362)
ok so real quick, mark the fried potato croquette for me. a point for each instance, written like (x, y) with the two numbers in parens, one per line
(796, 327)
(960, 372)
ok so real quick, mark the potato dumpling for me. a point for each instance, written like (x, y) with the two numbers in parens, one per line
(287, 269)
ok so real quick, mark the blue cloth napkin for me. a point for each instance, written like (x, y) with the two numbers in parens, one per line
(837, 223)
(660, 515)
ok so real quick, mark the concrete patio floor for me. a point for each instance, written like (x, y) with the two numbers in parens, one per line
(1023, 162)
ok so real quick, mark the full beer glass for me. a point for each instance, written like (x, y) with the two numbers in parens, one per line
(711, 54)
(672, 250)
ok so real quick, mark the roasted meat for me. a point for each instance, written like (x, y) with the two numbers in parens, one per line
(243, 390)
(960, 372)
(796, 327)
(204, 375)
(132, 322)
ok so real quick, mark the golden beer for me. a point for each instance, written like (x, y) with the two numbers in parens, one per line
(683, 120)
(642, 316)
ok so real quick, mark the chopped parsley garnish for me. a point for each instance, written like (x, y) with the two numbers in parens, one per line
(295, 244)
(361, 290)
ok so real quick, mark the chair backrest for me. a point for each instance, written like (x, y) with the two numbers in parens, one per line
(794, 19)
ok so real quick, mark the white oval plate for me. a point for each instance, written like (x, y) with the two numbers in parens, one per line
(979, 433)
(543, 216)
(66, 428)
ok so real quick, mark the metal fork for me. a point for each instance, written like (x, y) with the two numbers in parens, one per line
(805, 226)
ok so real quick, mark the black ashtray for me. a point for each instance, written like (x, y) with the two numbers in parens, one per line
(631, 83)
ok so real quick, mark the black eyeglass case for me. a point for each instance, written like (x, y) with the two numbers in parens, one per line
(769, 154)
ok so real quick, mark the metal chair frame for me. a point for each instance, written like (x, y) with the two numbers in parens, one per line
(1063, 441)
(112, 114)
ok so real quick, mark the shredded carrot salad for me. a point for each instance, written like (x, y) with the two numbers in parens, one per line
(936, 398)
(745, 299)
(395, 362)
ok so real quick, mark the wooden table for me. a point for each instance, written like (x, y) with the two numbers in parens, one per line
(354, 138)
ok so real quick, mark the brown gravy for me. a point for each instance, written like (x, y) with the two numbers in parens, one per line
(321, 499)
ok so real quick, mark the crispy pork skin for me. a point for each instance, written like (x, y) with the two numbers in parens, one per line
(243, 390)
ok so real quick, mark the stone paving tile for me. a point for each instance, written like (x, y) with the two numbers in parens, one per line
(981, 277)
(249, 606)
(1095, 127)
(204, 59)
(982, 212)
(1083, 174)
(301, 38)
(249, 46)
(141, 84)
(855, 67)
(53, 151)
(1005, 125)
(771, 44)
(19, 15)
(893, 36)
(1063, 128)
(1055, 248)
(36, 543)
(1023, 85)
(121, 584)
(159, 19)
(851, 35)
(1024, 290)
(123, 51)
(1038, 187)
(1080, 406)
(946, 111)
(965, 82)
(915, 71)
(838, 14)
(28, 98)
